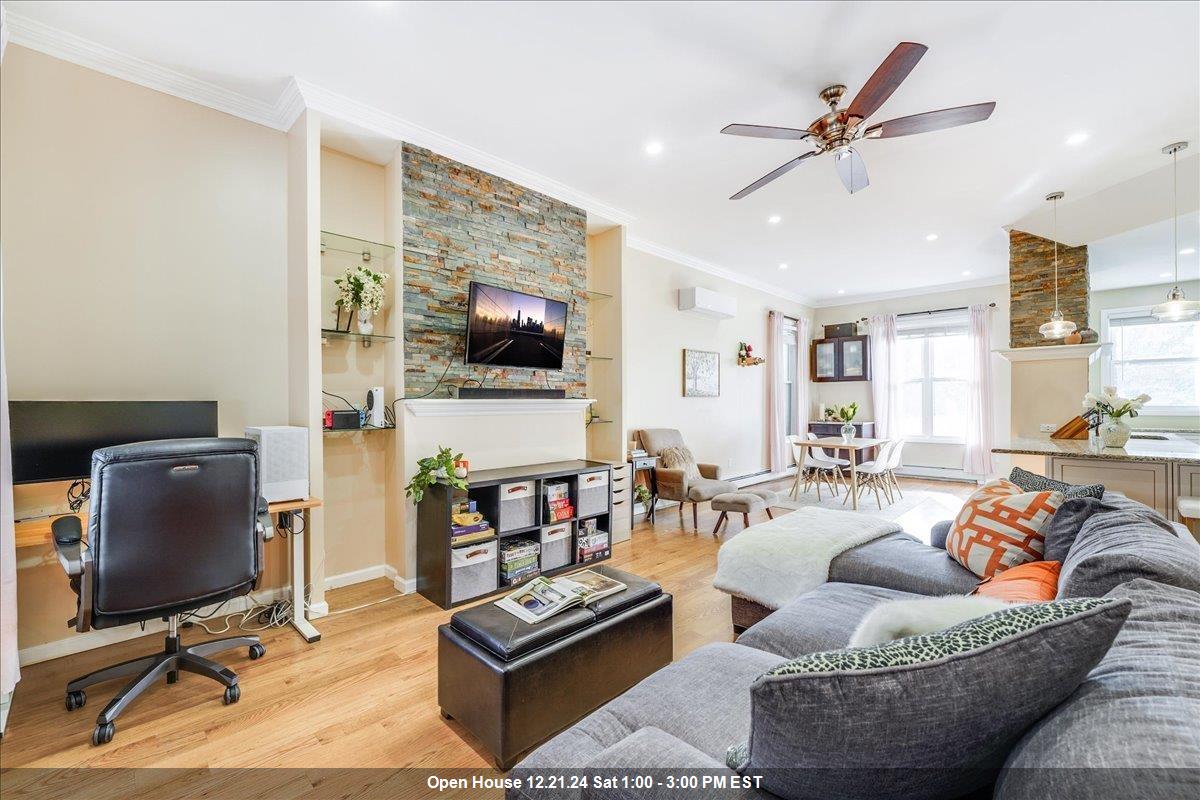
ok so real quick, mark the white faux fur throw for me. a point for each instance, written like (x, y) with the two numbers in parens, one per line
(777, 561)
(896, 619)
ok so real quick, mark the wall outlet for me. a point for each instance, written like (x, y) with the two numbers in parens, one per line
(1047, 427)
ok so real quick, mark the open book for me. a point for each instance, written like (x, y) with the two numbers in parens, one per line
(542, 598)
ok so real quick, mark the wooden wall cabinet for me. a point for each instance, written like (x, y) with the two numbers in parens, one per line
(846, 358)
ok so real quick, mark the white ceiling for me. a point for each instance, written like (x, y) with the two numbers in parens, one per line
(574, 91)
(1144, 257)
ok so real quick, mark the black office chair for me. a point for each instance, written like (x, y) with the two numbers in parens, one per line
(174, 525)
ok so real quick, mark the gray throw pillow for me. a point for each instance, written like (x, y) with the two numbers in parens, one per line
(1063, 527)
(844, 723)
(1032, 482)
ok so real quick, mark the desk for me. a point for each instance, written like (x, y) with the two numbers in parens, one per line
(853, 447)
(36, 532)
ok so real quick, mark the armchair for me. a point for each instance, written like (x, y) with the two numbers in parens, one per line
(174, 525)
(674, 483)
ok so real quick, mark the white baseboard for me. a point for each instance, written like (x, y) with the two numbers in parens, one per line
(939, 473)
(92, 639)
(402, 585)
(357, 576)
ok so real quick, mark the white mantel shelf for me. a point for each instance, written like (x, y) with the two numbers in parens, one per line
(1052, 352)
(450, 407)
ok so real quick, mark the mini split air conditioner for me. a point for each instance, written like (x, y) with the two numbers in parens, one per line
(707, 303)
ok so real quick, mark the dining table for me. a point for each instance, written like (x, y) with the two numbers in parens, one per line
(852, 447)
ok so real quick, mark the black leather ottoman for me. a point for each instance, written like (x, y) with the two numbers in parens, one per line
(514, 685)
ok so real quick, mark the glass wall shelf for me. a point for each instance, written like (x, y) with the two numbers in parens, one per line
(594, 357)
(365, 338)
(358, 430)
(368, 251)
(595, 295)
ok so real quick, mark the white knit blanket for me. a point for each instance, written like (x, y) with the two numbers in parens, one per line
(777, 561)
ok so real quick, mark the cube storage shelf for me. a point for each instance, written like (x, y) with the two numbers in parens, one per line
(511, 499)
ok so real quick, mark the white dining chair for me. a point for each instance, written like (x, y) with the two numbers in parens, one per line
(873, 474)
(894, 463)
(830, 462)
(812, 468)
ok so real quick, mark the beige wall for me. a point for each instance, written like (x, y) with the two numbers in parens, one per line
(144, 258)
(353, 203)
(919, 454)
(729, 430)
(1133, 297)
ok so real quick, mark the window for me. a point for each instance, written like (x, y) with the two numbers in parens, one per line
(933, 364)
(1161, 359)
(789, 376)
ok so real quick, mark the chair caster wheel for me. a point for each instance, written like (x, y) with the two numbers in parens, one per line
(257, 651)
(76, 699)
(103, 733)
(232, 694)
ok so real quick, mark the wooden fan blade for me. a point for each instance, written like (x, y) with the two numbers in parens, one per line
(851, 169)
(765, 132)
(772, 175)
(886, 79)
(930, 121)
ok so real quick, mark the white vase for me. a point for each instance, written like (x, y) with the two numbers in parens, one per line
(1114, 432)
(848, 431)
(366, 325)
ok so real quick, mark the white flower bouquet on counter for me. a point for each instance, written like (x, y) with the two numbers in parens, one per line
(1104, 413)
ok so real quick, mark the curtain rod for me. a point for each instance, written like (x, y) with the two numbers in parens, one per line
(934, 311)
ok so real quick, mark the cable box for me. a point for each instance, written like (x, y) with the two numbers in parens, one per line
(476, 393)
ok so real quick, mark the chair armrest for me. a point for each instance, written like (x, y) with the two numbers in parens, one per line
(672, 483)
(266, 530)
(76, 560)
(710, 471)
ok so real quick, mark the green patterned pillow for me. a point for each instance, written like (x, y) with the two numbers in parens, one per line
(964, 637)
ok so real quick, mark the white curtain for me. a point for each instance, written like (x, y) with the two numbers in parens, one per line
(803, 410)
(776, 397)
(885, 395)
(977, 457)
(10, 671)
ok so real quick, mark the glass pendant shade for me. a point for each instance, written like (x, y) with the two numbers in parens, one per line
(1177, 308)
(1057, 327)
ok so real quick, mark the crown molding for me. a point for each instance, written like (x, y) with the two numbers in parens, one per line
(86, 53)
(655, 249)
(850, 300)
(372, 119)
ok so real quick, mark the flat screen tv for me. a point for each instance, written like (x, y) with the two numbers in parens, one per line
(513, 329)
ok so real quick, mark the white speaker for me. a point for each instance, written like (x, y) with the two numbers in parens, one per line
(283, 460)
(375, 405)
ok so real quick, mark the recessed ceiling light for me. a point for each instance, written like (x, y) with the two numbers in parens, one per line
(1164, 274)
(774, 219)
(1187, 251)
(841, 291)
(783, 266)
(654, 148)
(932, 237)
(966, 272)
(1078, 138)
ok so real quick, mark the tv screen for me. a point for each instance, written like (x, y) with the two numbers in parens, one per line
(53, 440)
(514, 329)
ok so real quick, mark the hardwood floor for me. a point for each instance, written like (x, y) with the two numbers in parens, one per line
(364, 696)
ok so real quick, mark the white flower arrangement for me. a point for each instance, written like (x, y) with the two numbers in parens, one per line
(1108, 403)
(361, 288)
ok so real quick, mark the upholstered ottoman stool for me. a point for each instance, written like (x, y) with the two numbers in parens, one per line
(743, 502)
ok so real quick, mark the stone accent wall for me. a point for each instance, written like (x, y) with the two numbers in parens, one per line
(1031, 286)
(460, 225)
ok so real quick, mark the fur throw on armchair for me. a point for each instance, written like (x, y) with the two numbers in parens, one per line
(680, 458)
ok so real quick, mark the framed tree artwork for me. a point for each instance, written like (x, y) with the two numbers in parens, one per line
(701, 373)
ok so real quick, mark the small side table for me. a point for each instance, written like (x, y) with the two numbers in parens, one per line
(647, 465)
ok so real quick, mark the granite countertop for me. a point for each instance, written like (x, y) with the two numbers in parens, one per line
(1173, 448)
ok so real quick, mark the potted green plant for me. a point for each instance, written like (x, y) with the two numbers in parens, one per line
(361, 288)
(432, 469)
(641, 493)
(846, 414)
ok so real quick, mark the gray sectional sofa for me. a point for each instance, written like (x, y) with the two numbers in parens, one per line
(1130, 730)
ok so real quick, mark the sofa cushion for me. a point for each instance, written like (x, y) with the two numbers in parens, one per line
(822, 619)
(1035, 582)
(899, 561)
(702, 489)
(1117, 546)
(1137, 715)
(1032, 482)
(702, 699)
(1000, 526)
(846, 723)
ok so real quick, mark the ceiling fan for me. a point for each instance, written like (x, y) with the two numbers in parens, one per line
(837, 130)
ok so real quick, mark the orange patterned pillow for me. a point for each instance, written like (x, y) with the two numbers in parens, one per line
(1000, 526)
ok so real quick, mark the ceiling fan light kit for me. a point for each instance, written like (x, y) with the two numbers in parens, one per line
(835, 131)
(1057, 327)
(1177, 308)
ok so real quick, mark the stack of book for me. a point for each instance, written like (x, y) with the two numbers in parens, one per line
(558, 501)
(518, 560)
(592, 543)
(637, 453)
(467, 525)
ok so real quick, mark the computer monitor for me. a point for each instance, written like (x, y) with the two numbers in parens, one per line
(53, 440)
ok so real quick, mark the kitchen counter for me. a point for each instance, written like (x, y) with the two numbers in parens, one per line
(1165, 447)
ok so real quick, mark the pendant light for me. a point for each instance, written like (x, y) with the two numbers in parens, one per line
(1177, 308)
(1057, 327)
